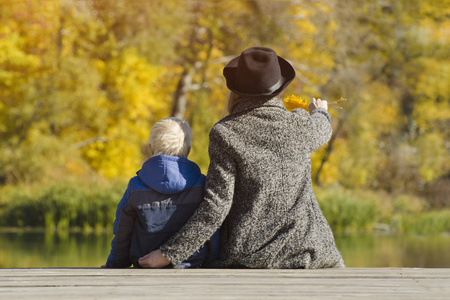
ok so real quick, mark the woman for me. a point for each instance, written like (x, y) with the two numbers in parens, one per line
(258, 186)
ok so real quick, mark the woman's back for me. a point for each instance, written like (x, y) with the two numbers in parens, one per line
(274, 221)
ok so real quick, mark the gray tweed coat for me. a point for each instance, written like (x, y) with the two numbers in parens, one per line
(259, 190)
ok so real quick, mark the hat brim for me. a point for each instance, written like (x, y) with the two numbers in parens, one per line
(287, 75)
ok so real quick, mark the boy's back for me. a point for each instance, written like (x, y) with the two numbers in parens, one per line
(160, 199)
(166, 192)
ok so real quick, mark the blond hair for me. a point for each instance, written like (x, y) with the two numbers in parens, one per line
(170, 136)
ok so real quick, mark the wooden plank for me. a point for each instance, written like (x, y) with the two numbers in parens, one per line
(368, 272)
(388, 283)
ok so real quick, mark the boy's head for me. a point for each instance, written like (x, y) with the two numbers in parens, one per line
(170, 136)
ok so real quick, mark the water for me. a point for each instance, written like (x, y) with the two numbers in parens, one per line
(53, 249)
(395, 251)
(62, 249)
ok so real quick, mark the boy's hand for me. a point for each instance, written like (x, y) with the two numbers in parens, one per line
(317, 103)
(104, 266)
(154, 260)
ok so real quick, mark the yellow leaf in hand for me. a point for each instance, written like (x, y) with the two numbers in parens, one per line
(292, 102)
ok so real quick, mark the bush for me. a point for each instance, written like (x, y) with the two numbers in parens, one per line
(345, 212)
(61, 206)
(428, 223)
(19, 209)
(362, 211)
(437, 193)
(92, 206)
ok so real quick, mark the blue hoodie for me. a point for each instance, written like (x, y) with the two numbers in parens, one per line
(156, 204)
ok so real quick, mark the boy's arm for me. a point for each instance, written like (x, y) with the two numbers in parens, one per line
(124, 234)
(212, 211)
(122, 203)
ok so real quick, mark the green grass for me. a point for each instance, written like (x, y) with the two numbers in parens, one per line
(353, 211)
(346, 212)
(60, 206)
(426, 223)
(76, 205)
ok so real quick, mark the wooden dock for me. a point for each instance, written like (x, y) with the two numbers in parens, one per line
(362, 283)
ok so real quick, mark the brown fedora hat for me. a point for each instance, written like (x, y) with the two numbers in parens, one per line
(258, 72)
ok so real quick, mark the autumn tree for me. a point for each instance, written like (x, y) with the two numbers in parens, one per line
(386, 59)
(75, 99)
(82, 82)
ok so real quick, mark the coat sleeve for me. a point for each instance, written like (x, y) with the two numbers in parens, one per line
(124, 235)
(317, 127)
(213, 210)
(123, 231)
(121, 204)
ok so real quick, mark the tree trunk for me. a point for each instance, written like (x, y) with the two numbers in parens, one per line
(329, 149)
(180, 95)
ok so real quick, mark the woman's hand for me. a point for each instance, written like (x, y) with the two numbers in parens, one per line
(154, 260)
(317, 103)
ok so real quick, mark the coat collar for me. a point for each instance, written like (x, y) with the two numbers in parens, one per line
(248, 104)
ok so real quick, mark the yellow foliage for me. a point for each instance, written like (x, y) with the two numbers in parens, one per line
(139, 105)
(433, 160)
(329, 173)
(306, 27)
(292, 102)
(380, 108)
(76, 168)
(85, 75)
(117, 158)
(432, 88)
(14, 60)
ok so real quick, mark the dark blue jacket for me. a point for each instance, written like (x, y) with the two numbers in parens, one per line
(157, 203)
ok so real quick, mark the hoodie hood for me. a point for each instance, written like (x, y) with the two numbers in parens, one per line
(170, 174)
